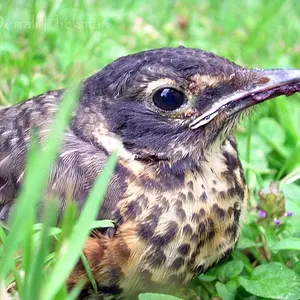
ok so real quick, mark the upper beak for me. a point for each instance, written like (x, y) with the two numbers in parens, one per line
(266, 84)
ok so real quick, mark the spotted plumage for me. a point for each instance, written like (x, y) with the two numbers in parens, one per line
(178, 194)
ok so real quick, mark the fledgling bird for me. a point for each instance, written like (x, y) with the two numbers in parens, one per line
(178, 193)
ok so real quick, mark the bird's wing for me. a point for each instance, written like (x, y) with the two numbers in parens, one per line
(76, 167)
(15, 124)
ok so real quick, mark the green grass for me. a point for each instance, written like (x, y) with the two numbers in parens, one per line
(46, 45)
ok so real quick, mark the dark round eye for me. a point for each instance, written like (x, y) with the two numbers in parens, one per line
(169, 99)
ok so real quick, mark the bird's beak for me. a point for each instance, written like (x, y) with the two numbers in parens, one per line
(266, 84)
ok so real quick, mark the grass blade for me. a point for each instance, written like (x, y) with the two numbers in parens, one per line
(67, 260)
(35, 181)
(76, 291)
(35, 274)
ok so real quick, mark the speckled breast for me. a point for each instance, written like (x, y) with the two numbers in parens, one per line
(181, 230)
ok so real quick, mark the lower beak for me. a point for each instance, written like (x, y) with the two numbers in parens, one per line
(266, 84)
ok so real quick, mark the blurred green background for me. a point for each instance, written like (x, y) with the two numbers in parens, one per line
(46, 44)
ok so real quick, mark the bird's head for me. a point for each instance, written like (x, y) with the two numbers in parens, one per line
(174, 103)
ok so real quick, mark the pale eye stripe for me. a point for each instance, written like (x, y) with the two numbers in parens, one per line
(200, 121)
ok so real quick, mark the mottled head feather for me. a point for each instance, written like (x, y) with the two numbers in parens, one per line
(122, 91)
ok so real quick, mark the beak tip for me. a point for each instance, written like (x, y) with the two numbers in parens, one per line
(277, 77)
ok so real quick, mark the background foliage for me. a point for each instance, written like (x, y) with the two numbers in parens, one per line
(44, 45)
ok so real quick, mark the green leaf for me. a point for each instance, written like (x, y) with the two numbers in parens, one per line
(228, 291)
(230, 269)
(54, 231)
(259, 151)
(291, 191)
(102, 224)
(245, 243)
(2, 234)
(291, 243)
(150, 296)
(274, 281)
(207, 278)
(267, 127)
(296, 268)
(273, 133)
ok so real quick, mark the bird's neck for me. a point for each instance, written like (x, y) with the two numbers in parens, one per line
(186, 160)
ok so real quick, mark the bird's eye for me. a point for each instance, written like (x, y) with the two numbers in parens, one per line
(169, 99)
